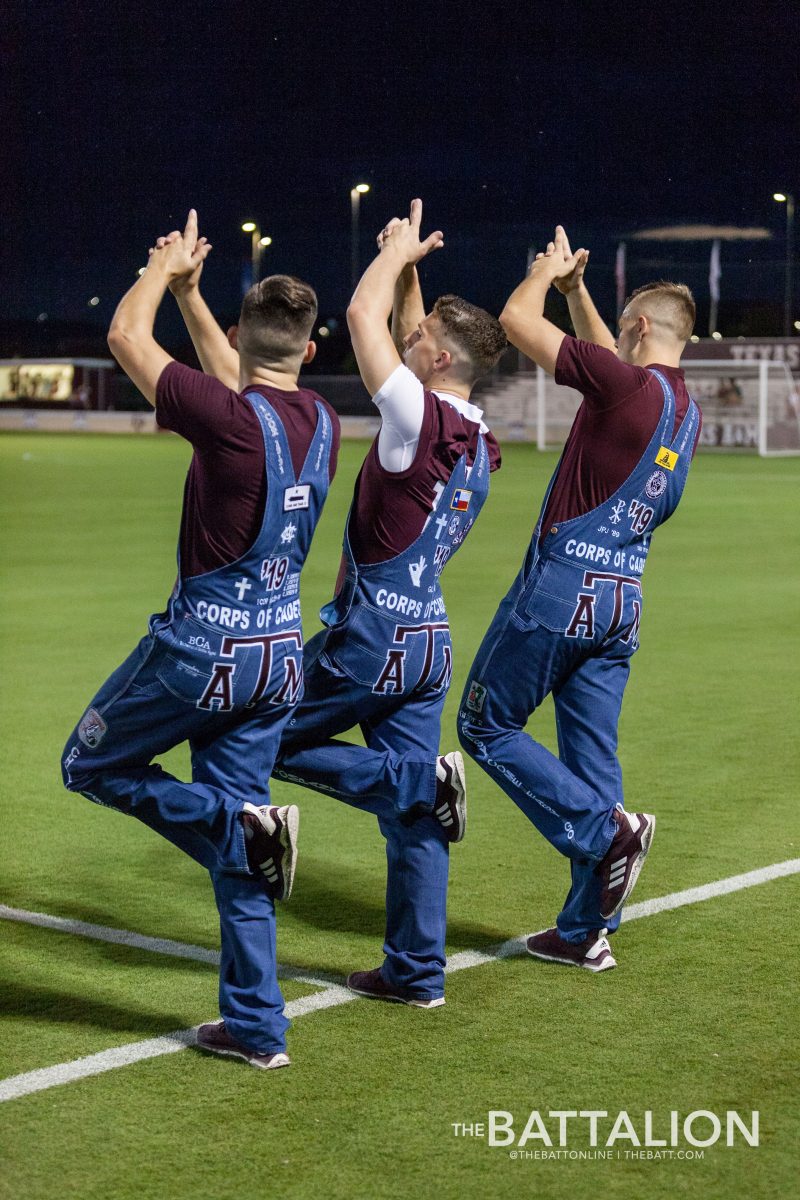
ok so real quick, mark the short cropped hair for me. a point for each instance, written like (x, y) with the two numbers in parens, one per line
(478, 334)
(670, 304)
(277, 317)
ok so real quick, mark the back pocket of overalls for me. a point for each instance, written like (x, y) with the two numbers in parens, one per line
(548, 599)
(184, 678)
(188, 664)
(361, 647)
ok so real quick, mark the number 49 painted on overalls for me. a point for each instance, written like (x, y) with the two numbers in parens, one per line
(273, 572)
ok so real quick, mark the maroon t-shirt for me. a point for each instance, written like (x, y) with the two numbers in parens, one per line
(391, 507)
(225, 490)
(622, 405)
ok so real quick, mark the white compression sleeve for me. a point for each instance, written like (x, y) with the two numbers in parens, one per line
(401, 403)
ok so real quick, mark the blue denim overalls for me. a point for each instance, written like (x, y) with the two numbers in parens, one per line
(221, 669)
(385, 663)
(569, 626)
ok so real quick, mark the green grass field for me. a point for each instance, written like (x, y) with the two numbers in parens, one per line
(702, 1012)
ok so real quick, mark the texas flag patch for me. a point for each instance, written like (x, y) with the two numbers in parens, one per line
(461, 499)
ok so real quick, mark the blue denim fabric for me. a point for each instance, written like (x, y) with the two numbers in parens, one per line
(570, 799)
(392, 775)
(231, 762)
(569, 626)
(220, 669)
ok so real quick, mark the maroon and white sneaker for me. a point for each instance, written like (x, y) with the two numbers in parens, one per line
(271, 840)
(450, 806)
(593, 954)
(216, 1039)
(624, 859)
(373, 985)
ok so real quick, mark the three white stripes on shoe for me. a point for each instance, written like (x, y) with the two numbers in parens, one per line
(617, 872)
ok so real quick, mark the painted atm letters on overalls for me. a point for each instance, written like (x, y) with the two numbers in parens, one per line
(234, 635)
(219, 686)
(584, 577)
(388, 625)
(392, 678)
(582, 621)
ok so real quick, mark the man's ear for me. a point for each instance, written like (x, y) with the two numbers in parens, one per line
(642, 326)
(310, 351)
(443, 360)
(233, 337)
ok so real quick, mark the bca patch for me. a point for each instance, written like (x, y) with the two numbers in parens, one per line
(476, 696)
(296, 497)
(656, 485)
(92, 729)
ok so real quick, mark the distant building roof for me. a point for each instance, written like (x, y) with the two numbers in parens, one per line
(94, 363)
(702, 233)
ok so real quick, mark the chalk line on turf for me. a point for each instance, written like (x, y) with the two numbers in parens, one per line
(168, 1043)
(707, 891)
(140, 941)
(331, 996)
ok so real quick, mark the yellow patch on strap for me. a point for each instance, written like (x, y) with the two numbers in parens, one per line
(667, 458)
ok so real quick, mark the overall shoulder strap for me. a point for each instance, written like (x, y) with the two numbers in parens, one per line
(279, 469)
(319, 451)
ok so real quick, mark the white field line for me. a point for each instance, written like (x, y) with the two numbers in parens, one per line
(121, 1056)
(707, 891)
(332, 995)
(140, 941)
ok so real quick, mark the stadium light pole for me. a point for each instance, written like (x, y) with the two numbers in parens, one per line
(356, 193)
(257, 247)
(788, 199)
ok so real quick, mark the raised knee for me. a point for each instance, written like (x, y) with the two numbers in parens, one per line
(73, 776)
(67, 769)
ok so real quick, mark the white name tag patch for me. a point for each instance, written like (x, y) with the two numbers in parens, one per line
(296, 497)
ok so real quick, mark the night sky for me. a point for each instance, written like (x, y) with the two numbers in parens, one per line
(504, 118)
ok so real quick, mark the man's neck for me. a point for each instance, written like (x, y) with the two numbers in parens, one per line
(659, 355)
(446, 383)
(284, 381)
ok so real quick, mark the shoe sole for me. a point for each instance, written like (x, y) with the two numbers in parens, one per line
(288, 839)
(647, 839)
(437, 1003)
(459, 785)
(246, 1058)
(460, 776)
(570, 962)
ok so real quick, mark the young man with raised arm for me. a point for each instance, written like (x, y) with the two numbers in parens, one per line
(570, 623)
(221, 667)
(384, 662)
